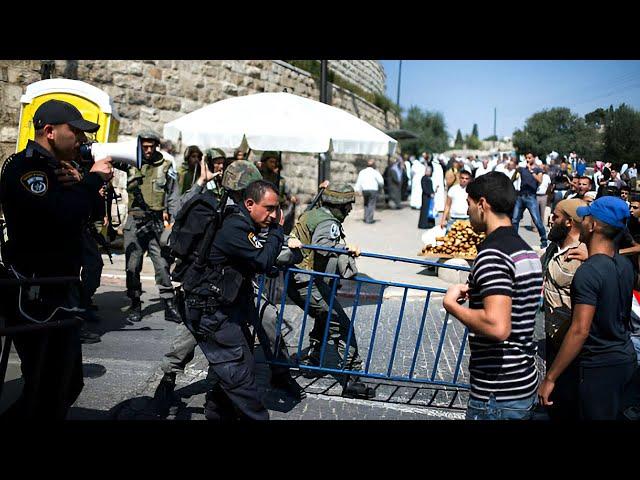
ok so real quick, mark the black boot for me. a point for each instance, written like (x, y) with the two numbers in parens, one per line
(312, 359)
(284, 381)
(171, 313)
(88, 337)
(218, 407)
(135, 311)
(354, 388)
(163, 397)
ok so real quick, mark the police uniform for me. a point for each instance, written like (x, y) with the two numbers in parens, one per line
(219, 310)
(44, 222)
(152, 190)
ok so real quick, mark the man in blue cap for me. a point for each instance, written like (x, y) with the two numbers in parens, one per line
(599, 335)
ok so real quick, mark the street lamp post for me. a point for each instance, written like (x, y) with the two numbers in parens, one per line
(324, 160)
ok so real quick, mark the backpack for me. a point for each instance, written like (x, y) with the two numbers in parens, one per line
(192, 232)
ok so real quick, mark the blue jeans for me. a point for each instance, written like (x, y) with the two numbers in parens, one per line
(636, 345)
(529, 202)
(505, 410)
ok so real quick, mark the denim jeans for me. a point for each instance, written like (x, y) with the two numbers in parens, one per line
(506, 410)
(529, 202)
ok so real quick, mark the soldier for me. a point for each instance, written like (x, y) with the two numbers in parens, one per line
(187, 172)
(152, 197)
(323, 226)
(215, 158)
(271, 168)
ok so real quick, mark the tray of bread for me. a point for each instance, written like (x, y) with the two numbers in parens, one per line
(461, 241)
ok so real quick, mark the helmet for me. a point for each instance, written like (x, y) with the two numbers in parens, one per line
(339, 194)
(213, 153)
(150, 135)
(239, 175)
(268, 154)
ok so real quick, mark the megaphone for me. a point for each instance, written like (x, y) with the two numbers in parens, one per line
(124, 154)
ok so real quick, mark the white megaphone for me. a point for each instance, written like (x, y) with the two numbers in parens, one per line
(124, 154)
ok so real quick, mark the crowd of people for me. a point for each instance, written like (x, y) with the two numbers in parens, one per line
(217, 222)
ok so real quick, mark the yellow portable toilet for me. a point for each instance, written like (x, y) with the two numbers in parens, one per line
(94, 104)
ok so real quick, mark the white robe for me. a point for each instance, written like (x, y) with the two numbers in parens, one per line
(417, 172)
(437, 178)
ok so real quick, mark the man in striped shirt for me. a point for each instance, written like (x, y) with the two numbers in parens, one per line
(503, 290)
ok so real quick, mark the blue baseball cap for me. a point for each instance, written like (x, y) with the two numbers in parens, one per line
(610, 210)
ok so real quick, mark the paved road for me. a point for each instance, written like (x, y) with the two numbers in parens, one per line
(122, 371)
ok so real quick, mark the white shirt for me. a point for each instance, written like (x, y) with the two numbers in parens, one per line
(544, 185)
(369, 179)
(459, 206)
(481, 171)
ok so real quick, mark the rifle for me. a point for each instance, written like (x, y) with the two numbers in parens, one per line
(316, 199)
(102, 241)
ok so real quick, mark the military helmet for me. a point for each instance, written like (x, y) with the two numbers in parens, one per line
(268, 154)
(213, 153)
(339, 194)
(149, 135)
(239, 175)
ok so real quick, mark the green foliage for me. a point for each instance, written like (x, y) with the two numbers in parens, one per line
(622, 135)
(379, 100)
(492, 138)
(430, 128)
(474, 132)
(459, 141)
(560, 130)
(472, 142)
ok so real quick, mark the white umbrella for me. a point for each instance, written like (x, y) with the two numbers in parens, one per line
(281, 122)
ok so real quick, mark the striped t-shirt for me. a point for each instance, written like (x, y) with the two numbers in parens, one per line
(505, 265)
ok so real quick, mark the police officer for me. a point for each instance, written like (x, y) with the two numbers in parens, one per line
(46, 205)
(239, 176)
(152, 201)
(323, 226)
(220, 307)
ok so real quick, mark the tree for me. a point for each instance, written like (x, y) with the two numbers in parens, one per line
(459, 142)
(492, 138)
(472, 142)
(430, 128)
(622, 135)
(560, 130)
(474, 132)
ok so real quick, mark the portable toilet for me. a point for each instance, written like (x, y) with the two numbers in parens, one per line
(94, 104)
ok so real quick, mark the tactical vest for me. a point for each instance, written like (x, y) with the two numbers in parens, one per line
(185, 179)
(303, 231)
(154, 181)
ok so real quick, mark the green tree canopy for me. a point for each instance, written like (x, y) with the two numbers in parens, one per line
(622, 135)
(474, 132)
(560, 130)
(459, 141)
(430, 128)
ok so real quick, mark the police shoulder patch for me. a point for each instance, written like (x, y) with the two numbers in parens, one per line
(334, 232)
(35, 182)
(254, 240)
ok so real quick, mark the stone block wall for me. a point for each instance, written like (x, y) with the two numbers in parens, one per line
(149, 93)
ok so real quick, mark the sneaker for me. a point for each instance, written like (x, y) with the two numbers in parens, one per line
(285, 382)
(632, 413)
(88, 337)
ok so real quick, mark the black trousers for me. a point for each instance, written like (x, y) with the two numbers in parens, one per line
(565, 394)
(602, 389)
(223, 336)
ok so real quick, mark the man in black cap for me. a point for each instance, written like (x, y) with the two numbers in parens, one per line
(46, 204)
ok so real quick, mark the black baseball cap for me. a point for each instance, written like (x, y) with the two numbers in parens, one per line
(57, 112)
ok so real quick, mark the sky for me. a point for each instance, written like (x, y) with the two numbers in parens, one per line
(466, 92)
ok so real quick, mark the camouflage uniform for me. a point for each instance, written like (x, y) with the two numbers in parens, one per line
(319, 226)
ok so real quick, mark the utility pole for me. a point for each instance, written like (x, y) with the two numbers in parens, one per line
(324, 160)
(494, 123)
(399, 80)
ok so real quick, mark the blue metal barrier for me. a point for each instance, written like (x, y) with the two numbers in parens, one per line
(410, 335)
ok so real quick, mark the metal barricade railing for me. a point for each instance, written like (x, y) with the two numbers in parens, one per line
(420, 345)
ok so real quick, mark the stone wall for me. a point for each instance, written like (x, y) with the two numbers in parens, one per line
(149, 93)
(368, 74)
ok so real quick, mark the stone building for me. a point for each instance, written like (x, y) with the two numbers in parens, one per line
(149, 93)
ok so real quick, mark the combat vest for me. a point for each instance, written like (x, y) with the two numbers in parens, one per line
(303, 231)
(185, 179)
(154, 181)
